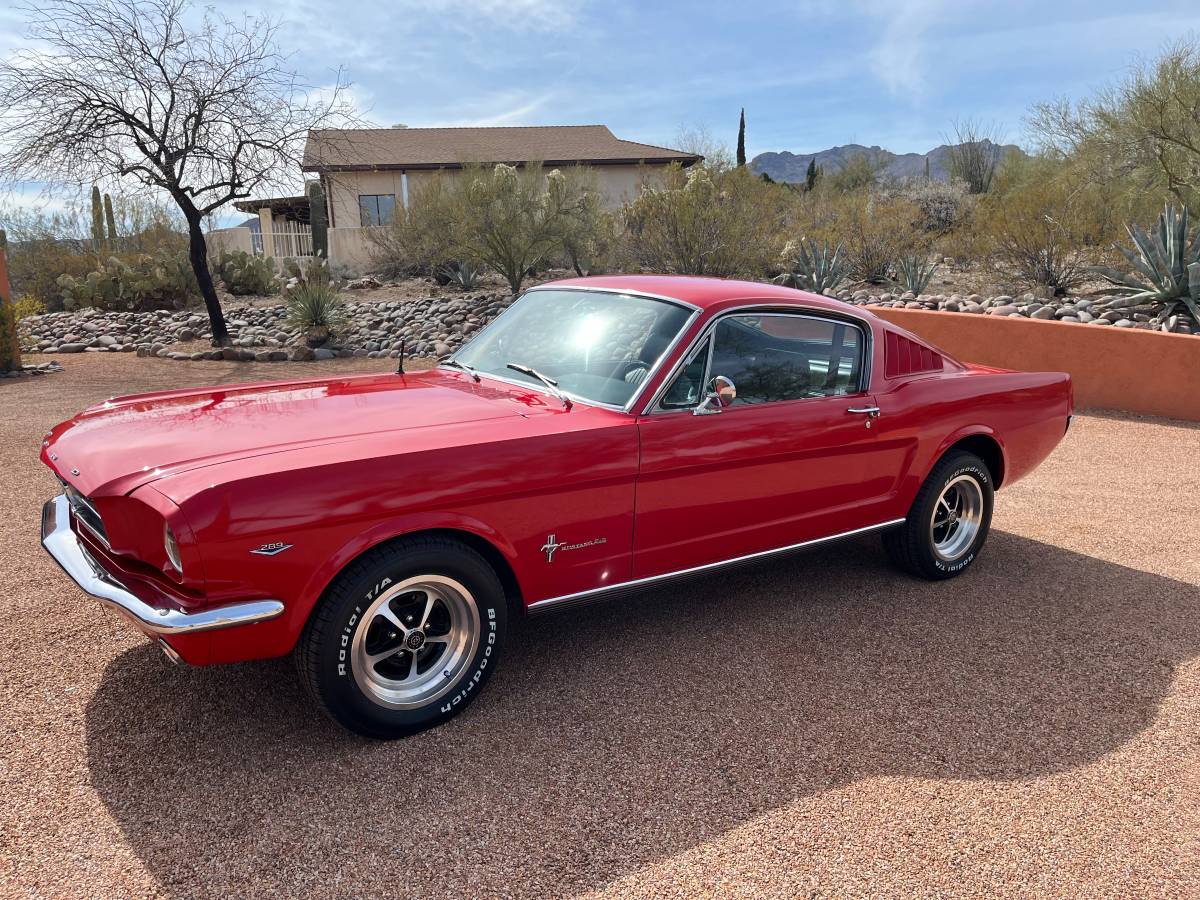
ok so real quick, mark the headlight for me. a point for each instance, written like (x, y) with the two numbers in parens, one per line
(172, 548)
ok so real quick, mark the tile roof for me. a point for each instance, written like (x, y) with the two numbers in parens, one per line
(414, 148)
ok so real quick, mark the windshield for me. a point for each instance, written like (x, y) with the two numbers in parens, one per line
(598, 346)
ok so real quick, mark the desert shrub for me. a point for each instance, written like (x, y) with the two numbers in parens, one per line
(244, 273)
(27, 306)
(1144, 130)
(134, 282)
(941, 205)
(421, 239)
(513, 220)
(44, 246)
(1028, 224)
(861, 172)
(706, 221)
(10, 346)
(877, 231)
(1165, 264)
(812, 266)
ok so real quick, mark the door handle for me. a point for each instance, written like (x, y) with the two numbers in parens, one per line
(872, 411)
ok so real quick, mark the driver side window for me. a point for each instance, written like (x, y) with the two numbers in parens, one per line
(771, 357)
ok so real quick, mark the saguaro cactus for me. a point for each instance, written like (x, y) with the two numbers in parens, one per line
(97, 220)
(111, 221)
(318, 215)
(10, 347)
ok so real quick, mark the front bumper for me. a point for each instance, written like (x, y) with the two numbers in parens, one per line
(62, 544)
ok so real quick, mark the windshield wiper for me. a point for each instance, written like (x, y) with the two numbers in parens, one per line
(550, 383)
(470, 370)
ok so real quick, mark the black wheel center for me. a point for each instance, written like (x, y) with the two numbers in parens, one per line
(415, 640)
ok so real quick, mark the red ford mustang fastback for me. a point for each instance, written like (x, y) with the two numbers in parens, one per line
(601, 436)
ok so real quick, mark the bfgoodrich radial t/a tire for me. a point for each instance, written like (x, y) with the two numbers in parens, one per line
(948, 522)
(405, 638)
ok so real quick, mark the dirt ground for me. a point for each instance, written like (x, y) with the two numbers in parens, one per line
(816, 726)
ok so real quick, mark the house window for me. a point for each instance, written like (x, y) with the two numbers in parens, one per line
(376, 209)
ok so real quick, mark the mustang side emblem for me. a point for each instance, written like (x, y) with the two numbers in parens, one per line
(553, 545)
(272, 549)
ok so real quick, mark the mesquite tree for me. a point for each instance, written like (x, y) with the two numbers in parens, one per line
(200, 107)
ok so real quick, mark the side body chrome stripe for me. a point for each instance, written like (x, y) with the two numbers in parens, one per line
(542, 605)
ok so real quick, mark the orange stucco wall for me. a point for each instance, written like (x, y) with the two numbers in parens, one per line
(1111, 368)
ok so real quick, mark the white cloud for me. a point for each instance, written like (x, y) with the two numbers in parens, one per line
(899, 56)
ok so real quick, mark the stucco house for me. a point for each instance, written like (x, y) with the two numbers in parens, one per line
(368, 172)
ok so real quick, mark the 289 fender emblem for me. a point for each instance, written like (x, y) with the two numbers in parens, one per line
(272, 549)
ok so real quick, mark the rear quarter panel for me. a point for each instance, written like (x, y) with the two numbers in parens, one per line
(1026, 413)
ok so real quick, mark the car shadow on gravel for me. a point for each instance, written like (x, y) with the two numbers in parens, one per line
(622, 734)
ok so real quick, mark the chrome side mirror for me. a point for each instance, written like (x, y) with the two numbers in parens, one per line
(721, 393)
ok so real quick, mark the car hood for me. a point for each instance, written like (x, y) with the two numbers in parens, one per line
(116, 446)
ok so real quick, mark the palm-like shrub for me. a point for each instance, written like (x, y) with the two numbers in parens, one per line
(315, 304)
(813, 267)
(916, 272)
(1166, 264)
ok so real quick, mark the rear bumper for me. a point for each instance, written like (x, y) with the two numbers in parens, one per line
(62, 544)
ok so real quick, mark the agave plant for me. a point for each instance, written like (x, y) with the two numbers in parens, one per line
(916, 272)
(1166, 264)
(815, 267)
(464, 275)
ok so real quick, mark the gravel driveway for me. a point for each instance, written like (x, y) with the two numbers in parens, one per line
(819, 725)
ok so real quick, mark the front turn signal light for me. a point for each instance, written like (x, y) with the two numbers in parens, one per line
(172, 548)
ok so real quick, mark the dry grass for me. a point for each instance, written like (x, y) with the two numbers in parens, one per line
(819, 726)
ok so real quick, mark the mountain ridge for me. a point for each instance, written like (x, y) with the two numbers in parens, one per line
(786, 166)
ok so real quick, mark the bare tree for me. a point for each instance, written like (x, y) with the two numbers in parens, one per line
(205, 109)
(975, 154)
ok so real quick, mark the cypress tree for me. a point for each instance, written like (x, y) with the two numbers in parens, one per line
(810, 177)
(741, 145)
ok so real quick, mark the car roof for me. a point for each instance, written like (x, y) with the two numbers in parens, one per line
(707, 292)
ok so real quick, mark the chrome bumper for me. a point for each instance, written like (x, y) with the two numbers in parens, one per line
(61, 543)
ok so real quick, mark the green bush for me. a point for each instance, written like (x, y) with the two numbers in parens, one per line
(28, 306)
(706, 220)
(244, 273)
(10, 347)
(139, 282)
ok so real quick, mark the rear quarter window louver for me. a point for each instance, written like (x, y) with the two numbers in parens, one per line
(902, 356)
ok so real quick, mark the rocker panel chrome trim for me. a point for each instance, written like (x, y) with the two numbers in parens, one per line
(580, 596)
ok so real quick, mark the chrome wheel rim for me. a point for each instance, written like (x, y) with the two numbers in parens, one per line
(414, 641)
(957, 518)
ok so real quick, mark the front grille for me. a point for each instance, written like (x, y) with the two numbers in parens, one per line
(86, 513)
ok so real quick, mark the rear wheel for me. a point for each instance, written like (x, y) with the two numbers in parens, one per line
(948, 521)
(404, 638)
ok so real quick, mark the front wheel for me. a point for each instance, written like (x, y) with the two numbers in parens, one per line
(405, 637)
(948, 522)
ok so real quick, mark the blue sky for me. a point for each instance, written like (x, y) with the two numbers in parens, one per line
(810, 74)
